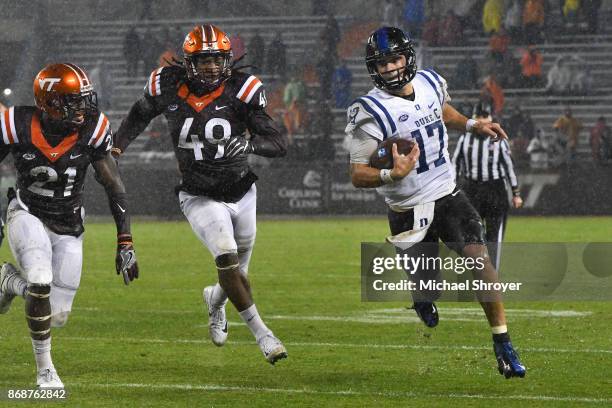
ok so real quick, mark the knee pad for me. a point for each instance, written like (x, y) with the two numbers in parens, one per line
(59, 319)
(227, 261)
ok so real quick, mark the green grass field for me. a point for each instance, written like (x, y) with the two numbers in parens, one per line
(147, 344)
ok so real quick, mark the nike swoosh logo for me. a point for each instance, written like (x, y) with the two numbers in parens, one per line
(455, 193)
(220, 107)
(122, 210)
(432, 104)
(74, 156)
(224, 330)
(248, 320)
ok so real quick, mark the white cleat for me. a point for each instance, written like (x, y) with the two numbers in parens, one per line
(272, 348)
(48, 378)
(6, 273)
(217, 322)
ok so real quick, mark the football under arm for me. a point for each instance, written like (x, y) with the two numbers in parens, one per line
(139, 117)
(107, 174)
(266, 139)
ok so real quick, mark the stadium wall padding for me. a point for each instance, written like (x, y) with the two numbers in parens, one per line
(319, 189)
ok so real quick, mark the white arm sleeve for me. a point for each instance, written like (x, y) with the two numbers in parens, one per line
(362, 146)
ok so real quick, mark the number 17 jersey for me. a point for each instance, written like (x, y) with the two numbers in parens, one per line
(382, 115)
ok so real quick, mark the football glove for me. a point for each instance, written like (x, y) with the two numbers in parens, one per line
(125, 260)
(508, 362)
(237, 146)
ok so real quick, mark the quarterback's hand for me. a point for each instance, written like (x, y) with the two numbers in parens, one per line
(403, 164)
(491, 129)
(237, 146)
(125, 261)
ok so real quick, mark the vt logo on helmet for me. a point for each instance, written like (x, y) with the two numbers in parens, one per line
(65, 94)
(390, 45)
(208, 56)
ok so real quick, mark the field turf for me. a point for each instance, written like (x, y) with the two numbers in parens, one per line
(147, 344)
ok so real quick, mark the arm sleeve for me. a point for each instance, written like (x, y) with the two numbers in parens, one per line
(139, 117)
(266, 139)
(506, 161)
(107, 174)
(361, 147)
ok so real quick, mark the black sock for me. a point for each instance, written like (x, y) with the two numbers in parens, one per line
(501, 337)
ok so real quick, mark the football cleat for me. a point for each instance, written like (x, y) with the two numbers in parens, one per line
(48, 378)
(427, 312)
(217, 322)
(7, 273)
(272, 348)
(508, 362)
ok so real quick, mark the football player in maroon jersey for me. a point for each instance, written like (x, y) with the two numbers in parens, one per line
(53, 144)
(210, 107)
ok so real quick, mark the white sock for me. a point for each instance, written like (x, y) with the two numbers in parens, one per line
(253, 320)
(42, 353)
(219, 297)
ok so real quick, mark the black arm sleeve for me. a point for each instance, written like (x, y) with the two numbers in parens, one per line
(107, 174)
(141, 114)
(266, 139)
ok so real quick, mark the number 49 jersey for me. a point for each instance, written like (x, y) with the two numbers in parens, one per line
(200, 127)
(383, 115)
(50, 178)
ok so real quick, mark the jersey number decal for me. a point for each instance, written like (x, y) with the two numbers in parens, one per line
(429, 129)
(217, 131)
(37, 187)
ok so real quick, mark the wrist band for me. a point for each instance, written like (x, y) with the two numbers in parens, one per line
(516, 193)
(385, 176)
(470, 125)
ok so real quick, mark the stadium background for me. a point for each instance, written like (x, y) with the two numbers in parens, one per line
(146, 344)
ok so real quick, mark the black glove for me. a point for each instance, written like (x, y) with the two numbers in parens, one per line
(238, 146)
(125, 260)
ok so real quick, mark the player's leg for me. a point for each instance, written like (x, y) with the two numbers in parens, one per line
(31, 248)
(423, 300)
(463, 232)
(495, 217)
(244, 220)
(67, 265)
(212, 224)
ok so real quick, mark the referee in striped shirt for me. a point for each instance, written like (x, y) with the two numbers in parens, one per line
(485, 166)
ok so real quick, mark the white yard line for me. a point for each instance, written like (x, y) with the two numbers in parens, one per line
(59, 337)
(386, 394)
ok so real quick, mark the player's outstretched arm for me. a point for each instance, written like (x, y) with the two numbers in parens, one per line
(139, 117)
(364, 176)
(107, 174)
(453, 119)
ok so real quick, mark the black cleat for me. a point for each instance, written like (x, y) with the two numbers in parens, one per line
(427, 312)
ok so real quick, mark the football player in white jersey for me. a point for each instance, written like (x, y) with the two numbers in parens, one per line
(420, 191)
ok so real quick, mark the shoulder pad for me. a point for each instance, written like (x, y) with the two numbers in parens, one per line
(100, 132)
(248, 86)
(370, 113)
(437, 82)
(7, 124)
(163, 79)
